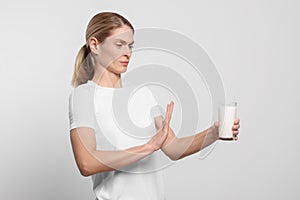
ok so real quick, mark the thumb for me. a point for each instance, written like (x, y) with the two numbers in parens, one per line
(216, 124)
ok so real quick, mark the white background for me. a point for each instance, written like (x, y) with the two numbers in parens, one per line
(254, 45)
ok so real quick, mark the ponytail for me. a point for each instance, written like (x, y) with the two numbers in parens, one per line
(84, 67)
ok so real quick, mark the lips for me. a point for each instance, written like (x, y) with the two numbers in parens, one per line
(125, 63)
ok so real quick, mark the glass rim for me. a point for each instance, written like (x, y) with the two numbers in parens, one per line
(230, 103)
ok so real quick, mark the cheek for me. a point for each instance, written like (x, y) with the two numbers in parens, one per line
(109, 56)
(114, 67)
(112, 52)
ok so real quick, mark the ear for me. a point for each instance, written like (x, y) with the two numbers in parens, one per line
(93, 44)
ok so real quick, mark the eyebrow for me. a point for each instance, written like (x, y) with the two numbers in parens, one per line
(123, 41)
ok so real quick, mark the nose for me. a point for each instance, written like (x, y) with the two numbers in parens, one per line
(128, 52)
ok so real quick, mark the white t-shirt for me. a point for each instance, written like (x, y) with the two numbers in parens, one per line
(121, 118)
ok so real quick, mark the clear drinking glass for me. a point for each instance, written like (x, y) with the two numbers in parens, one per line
(227, 115)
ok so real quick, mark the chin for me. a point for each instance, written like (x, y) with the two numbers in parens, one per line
(121, 71)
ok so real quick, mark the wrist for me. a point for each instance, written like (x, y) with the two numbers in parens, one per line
(213, 131)
(148, 148)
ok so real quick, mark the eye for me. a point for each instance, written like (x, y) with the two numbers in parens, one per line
(119, 44)
(131, 46)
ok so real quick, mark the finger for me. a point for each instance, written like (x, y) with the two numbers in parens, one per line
(167, 114)
(235, 132)
(216, 124)
(171, 109)
(236, 121)
(167, 111)
(235, 127)
(165, 118)
(168, 117)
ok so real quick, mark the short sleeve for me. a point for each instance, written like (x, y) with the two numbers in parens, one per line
(81, 108)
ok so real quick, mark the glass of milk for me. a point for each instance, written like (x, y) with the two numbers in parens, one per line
(227, 115)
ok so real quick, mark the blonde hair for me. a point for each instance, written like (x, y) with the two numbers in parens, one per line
(100, 27)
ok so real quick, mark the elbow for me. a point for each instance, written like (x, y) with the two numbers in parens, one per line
(90, 167)
(172, 153)
(85, 169)
(177, 157)
(172, 156)
(85, 172)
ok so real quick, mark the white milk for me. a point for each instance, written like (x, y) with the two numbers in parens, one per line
(227, 115)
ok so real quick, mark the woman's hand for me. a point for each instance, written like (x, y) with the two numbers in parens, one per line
(235, 128)
(159, 138)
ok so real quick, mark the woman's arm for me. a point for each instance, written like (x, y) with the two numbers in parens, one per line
(91, 161)
(177, 148)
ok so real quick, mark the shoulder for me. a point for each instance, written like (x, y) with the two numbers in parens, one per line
(82, 94)
(85, 89)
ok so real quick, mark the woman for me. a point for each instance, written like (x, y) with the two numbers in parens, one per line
(100, 149)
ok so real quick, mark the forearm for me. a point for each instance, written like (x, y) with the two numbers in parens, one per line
(114, 160)
(91, 161)
(182, 147)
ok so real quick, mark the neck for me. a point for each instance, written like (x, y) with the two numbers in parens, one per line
(107, 78)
